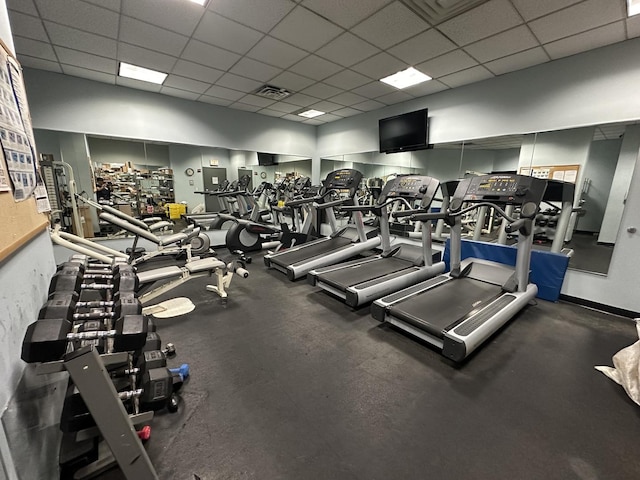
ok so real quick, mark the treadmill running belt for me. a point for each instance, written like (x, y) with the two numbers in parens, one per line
(309, 251)
(350, 276)
(436, 309)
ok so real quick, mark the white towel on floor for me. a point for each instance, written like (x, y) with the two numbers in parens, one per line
(627, 368)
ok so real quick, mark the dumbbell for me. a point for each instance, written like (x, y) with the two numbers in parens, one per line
(66, 304)
(71, 278)
(154, 342)
(46, 339)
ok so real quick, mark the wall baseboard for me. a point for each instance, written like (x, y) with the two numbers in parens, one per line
(600, 306)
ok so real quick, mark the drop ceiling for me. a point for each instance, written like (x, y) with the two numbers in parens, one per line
(329, 53)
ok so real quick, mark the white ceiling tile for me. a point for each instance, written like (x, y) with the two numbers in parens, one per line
(284, 107)
(305, 29)
(28, 26)
(86, 60)
(114, 5)
(255, 70)
(346, 112)
(576, 19)
(239, 83)
(258, 14)
(179, 17)
(347, 80)
(374, 89)
(426, 88)
(176, 92)
(396, 97)
(368, 106)
(275, 52)
(294, 118)
(301, 99)
(24, 6)
(599, 37)
(225, 33)
(196, 71)
(89, 74)
(315, 67)
(40, 64)
(345, 13)
(314, 121)
(225, 93)
(244, 106)
(257, 101)
(215, 101)
(390, 26)
(446, 64)
(137, 84)
(321, 90)
(471, 75)
(347, 50)
(480, 22)
(348, 98)
(326, 106)
(80, 15)
(76, 39)
(145, 58)
(209, 55)
(518, 61)
(271, 113)
(503, 44)
(149, 36)
(633, 26)
(186, 84)
(530, 10)
(33, 48)
(422, 47)
(380, 66)
(324, 118)
(291, 81)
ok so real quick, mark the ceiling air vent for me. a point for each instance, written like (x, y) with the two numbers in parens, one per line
(437, 11)
(274, 93)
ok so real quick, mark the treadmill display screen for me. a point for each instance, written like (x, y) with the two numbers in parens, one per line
(497, 185)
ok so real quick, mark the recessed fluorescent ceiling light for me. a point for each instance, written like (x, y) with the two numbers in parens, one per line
(140, 73)
(633, 7)
(311, 113)
(406, 78)
(199, 2)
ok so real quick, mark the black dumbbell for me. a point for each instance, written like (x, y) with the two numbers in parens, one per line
(46, 339)
(66, 305)
(71, 278)
(154, 342)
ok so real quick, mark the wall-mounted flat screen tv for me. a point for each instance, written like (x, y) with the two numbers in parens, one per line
(266, 159)
(404, 133)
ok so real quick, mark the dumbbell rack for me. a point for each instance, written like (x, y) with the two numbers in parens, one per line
(88, 373)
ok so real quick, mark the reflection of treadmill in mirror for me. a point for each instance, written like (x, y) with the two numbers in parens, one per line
(398, 266)
(447, 189)
(343, 244)
(458, 311)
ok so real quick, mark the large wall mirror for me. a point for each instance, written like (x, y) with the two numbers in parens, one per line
(599, 160)
(146, 176)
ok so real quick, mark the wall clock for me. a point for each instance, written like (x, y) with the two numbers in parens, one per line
(263, 175)
(189, 172)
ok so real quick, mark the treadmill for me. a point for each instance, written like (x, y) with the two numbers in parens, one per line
(364, 280)
(341, 245)
(456, 312)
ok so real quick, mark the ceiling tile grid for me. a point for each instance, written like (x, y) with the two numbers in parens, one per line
(325, 52)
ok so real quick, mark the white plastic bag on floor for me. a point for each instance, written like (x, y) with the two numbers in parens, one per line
(627, 368)
(200, 208)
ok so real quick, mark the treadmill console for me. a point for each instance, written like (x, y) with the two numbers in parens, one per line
(344, 179)
(411, 187)
(504, 189)
(302, 183)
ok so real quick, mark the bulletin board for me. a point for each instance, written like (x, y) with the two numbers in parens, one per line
(22, 217)
(565, 173)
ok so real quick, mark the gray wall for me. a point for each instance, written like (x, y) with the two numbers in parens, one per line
(107, 150)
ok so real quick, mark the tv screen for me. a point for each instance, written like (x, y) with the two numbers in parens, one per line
(266, 159)
(406, 132)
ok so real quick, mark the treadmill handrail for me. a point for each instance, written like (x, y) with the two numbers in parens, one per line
(423, 217)
(366, 208)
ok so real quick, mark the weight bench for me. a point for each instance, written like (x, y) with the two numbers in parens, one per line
(174, 244)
